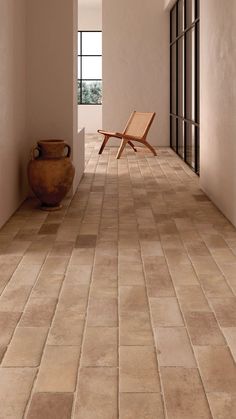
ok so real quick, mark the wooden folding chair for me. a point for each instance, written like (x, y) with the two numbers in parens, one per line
(136, 129)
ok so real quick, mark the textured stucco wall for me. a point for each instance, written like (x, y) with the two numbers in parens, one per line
(13, 141)
(136, 64)
(218, 103)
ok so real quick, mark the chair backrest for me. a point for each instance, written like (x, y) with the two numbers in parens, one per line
(139, 123)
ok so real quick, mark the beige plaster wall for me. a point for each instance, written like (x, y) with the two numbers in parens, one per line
(13, 141)
(38, 78)
(51, 69)
(136, 64)
(218, 103)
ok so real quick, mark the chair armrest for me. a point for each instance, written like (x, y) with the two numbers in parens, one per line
(110, 134)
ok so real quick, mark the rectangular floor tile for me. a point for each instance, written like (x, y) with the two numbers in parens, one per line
(97, 395)
(141, 405)
(165, 312)
(26, 347)
(217, 368)
(100, 347)
(203, 328)
(138, 370)
(135, 329)
(184, 394)
(12, 401)
(51, 405)
(58, 370)
(174, 348)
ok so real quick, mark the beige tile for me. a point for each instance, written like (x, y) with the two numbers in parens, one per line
(131, 274)
(13, 401)
(67, 328)
(203, 328)
(230, 335)
(74, 297)
(102, 314)
(82, 257)
(55, 265)
(191, 298)
(160, 283)
(51, 406)
(183, 275)
(39, 312)
(100, 347)
(14, 298)
(26, 347)
(78, 274)
(141, 405)
(225, 310)
(215, 286)
(138, 370)
(174, 348)
(135, 329)
(8, 322)
(217, 368)
(205, 265)
(223, 405)
(133, 298)
(48, 285)
(184, 394)
(97, 395)
(58, 370)
(165, 312)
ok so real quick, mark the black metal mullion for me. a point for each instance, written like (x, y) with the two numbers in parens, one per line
(171, 87)
(185, 81)
(177, 75)
(81, 78)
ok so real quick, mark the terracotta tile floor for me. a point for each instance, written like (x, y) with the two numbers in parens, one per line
(123, 303)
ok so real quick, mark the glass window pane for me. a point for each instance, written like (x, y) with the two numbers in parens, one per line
(79, 68)
(173, 132)
(173, 24)
(181, 138)
(173, 79)
(190, 12)
(78, 43)
(197, 168)
(180, 16)
(92, 43)
(79, 92)
(91, 92)
(190, 144)
(190, 75)
(197, 8)
(181, 77)
(91, 67)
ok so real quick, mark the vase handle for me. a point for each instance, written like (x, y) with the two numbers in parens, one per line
(68, 150)
(32, 153)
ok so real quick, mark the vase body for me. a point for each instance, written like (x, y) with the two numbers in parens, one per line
(50, 172)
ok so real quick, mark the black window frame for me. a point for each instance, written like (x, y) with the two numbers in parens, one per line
(180, 124)
(81, 79)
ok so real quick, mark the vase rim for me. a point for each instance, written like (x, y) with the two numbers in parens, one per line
(51, 141)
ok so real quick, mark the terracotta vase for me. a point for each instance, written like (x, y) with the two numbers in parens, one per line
(50, 172)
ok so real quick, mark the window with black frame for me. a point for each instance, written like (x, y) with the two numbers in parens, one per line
(89, 67)
(184, 81)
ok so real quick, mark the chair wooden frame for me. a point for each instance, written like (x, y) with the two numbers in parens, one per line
(127, 137)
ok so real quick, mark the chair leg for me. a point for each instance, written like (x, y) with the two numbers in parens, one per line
(151, 148)
(121, 149)
(106, 138)
(131, 145)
